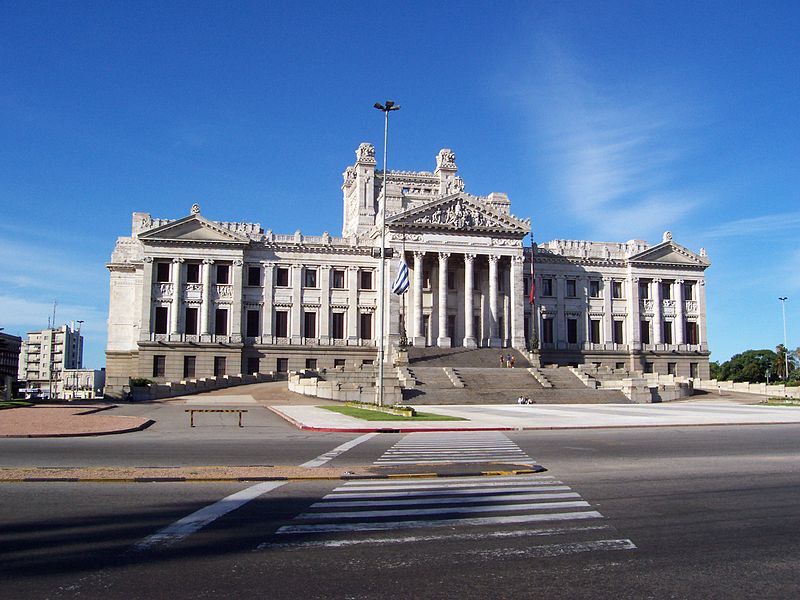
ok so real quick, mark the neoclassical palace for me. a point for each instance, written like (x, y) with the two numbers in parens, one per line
(192, 297)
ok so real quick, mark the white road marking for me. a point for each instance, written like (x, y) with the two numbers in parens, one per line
(480, 521)
(484, 480)
(464, 500)
(553, 549)
(413, 512)
(523, 488)
(423, 486)
(328, 456)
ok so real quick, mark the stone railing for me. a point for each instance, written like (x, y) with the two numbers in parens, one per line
(157, 391)
(762, 389)
(345, 386)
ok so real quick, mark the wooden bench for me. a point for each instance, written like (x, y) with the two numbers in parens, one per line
(191, 412)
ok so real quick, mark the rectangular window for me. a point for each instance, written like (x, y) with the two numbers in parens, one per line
(547, 330)
(162, 272)
(310, 277)
(666, 290)
(189, 363)
(648, 367)
(691, 333)
(223, 274)
(309, 324)
(337, 325)
(547, 286)
(162, 318)
(311, 364)
(159, 365)
(282, 277)
(594, 288)
(572, 331)
(618, 332)
(366, 326)
(338, 279)
(693, 370)
(594, 331)
(282, 365)
(192, 273)
(365, 282)
(426, 280)
(671, 366)
(219, 366)
(616, 289)
(572, 288)
(667, 332)
(253, 365)
(282, 323)
(338, 362)
(644, 332)
(688, 290)
(619, 365)
(253, 323)
(644, 289)
(190, 325)
(221, 321)
(254, 276)
(451, 280)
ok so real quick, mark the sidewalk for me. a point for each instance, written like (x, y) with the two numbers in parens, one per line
(51, 420)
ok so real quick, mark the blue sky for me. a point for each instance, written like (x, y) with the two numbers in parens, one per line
(601, 120)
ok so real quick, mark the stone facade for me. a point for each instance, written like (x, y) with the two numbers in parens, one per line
(192, 298)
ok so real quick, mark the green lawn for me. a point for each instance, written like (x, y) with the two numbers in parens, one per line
(374, 415)
(783, 402)
(13, 404)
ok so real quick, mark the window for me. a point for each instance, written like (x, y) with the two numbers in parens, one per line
(162, 272)
(594, 288)
(618, 331)
(547, 330)
(189, 366)
(311, 364)
(337, 325)
(282, 323)
(368, 362)
(688, 290)
(648, 367)
(282, 277)
(667, 332)
(666, 290)
(671, 368)
(254, 276)
(366, 326)
(159, 365)
(219, 366)
(309, 324)
(691, 333)
(547, 286)
(693, 370)
(253, 323)
(572, 288)
(338, 279)
(644, 331)
(572, 331)
(310, 277)
(644, 289)
(282, 365)
(253, 365)
(338, 362)
(594, 331)
(223, 274)
(365, 282)
(161, 319)
(192, 273)
(221, 321)
(426, 279)
(451, 280)
(619, 365)
(190, 325)
(616, 289)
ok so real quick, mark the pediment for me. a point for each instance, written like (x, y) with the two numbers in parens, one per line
(193, 229)
(670, 253)
(458, 212)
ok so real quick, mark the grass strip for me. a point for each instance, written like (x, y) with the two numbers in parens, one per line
(14, 404)
(783, 402)
(373, 415)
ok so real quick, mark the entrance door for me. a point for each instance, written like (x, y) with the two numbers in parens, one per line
(426, 329)
(477, 331)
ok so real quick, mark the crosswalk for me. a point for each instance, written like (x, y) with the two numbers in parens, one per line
(463, 447)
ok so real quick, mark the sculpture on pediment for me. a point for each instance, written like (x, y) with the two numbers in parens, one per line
(667, 236)
(366, 153)
(446, 159)
(195, 209)
(456, 214)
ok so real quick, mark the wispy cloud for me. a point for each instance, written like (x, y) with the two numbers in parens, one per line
(754, 226)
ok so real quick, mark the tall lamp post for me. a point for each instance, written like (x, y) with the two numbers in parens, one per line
(783, 300)
(386, 108)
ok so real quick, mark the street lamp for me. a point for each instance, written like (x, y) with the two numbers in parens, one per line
(783, 300)
(386, 108)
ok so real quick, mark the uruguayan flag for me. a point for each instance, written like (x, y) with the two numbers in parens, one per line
(400, 284)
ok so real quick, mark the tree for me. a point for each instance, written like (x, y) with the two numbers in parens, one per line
(751, 365)
(781, 360)
(715, 369)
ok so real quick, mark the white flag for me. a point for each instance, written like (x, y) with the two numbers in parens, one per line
(400, 284)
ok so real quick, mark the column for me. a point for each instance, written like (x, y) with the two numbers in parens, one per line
(517, 299)
(147, 298)
(419, 334)
(324, 315)
(560, 322)
(352, 305)
(207, 305)
(634, 318)
(701, 315)
(237, 281)
(174, 321)
(444, 339)
(608, 318)
(494, 337)
(296, 317)
(658, 307)
(267, 317)
(677, 293)
(469, 310)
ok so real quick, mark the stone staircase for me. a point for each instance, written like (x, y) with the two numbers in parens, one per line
(464, 357)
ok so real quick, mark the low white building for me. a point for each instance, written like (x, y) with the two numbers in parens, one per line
(194, 298)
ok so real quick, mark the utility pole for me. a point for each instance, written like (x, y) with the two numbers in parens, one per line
(783, 300)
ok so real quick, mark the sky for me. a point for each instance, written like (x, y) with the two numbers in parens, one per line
(606, 121)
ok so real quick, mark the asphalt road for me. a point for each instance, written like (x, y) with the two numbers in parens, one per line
(685, 513)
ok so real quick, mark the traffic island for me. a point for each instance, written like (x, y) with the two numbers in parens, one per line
(66, 421)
